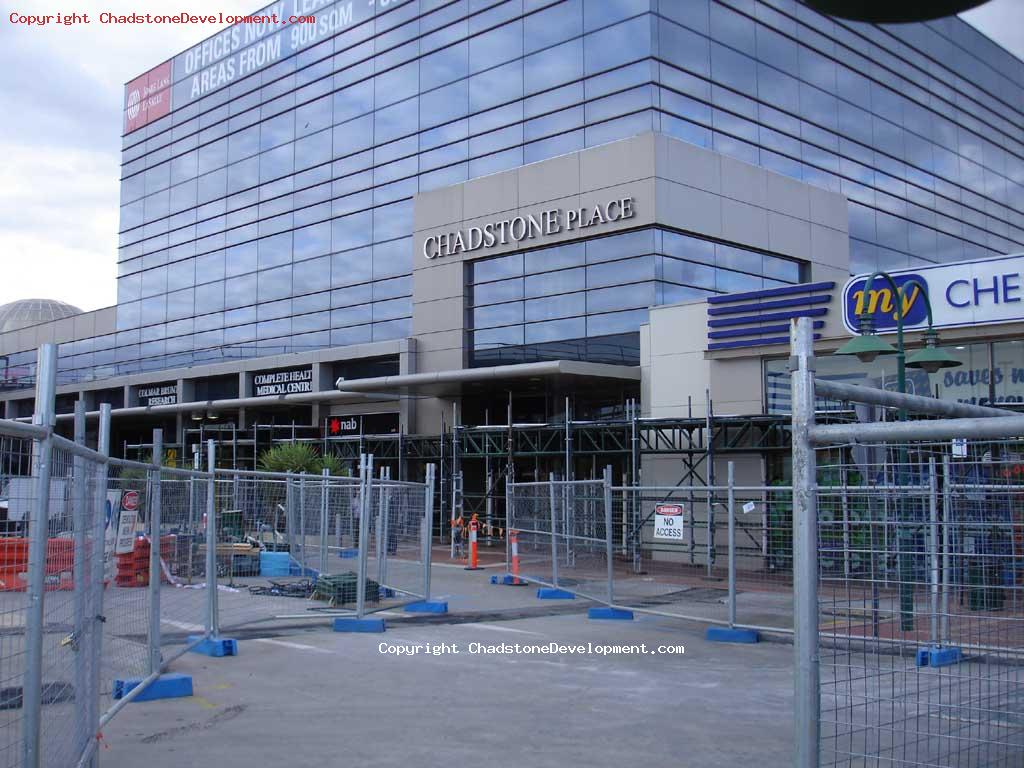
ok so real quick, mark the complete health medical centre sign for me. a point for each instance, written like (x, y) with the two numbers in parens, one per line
(961, 294)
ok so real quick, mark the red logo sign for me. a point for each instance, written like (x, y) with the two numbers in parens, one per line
(147, 97)
(130, 501)
(335, 426)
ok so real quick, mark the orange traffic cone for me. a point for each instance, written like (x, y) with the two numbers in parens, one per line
(474, 526)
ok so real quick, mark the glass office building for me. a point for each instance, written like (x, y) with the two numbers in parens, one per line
(268, 173)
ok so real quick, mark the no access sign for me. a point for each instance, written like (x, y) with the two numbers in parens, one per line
(669, 521)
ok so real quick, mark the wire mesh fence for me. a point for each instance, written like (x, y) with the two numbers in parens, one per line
(126, 596)
(52, 495)
(288, 546)
(563, 535)
(17, 489)
(664, 550)
(680, 541)
(921, 619)
(908, 632)
(402, 536)
(111, 569)
(66, 647)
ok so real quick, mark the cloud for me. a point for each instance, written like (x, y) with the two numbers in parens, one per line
(61, 135)
(61, 142)
(1002, 21)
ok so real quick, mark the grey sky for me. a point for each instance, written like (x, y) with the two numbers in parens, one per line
(60, 135)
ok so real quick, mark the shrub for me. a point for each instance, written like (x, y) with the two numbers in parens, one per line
(299, 457)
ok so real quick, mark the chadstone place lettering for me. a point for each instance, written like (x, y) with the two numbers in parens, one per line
(549, 222)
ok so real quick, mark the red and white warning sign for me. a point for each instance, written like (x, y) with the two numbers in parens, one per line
(669, 521)
(127, 520)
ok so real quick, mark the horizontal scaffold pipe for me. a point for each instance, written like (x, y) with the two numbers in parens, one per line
(915, 403)
(904, 431)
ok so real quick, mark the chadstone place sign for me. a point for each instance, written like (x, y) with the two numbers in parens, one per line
(290, 382)
(550, 222)
(966, 293)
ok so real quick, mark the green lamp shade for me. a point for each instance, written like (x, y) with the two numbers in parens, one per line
(866, 348)
(932, 358)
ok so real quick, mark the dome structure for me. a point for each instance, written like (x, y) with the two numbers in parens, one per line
(26, 312)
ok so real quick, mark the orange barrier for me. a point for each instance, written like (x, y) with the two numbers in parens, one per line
(474, 563)
(133, 567)
(60, 564)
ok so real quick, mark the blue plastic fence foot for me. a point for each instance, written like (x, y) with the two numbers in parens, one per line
(428, 606)
(384, 592)
(731, 635)
(551, 593)
(938, 656)
(617, 614)
(170, 686)
(358, 625)
(349, 552)
(508, 580)
(295, 568)
(214, 646)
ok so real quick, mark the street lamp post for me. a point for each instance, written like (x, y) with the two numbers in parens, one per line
(866, 347)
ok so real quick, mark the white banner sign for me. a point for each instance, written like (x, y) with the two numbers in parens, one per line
(127, 520)
(967, 293)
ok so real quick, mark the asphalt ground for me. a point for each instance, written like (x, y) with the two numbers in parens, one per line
(307, 696)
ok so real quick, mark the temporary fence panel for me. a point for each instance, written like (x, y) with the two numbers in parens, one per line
(184, 598)
(18, 486)
(565, 534)
(288, 545)
(530, 510)
(648, 548)
(398, 532)
(261, 543)
(111, 569)
(63, 642)
(683, 550)
(921, 620)
(909, 628)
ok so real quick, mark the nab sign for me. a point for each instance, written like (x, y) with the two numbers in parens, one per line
(966, 293)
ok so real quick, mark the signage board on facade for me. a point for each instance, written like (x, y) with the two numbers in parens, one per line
(267, 36)
(343, 426)
(258, 41)
(147, 97)
(529, 227)
(962, 294)
(292, 381)
(158, 394)
(669, 522)
(353, 425)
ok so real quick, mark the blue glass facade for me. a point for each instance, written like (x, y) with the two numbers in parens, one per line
(585, 300)
(275, 213)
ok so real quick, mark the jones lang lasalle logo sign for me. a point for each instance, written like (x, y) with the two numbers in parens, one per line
(550, 222)
(147, 97)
